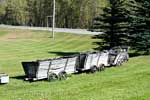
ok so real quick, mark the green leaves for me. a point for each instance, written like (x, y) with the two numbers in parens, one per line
(69, 13)
(14, 12)
(114, 23)
(125, 23)
(140, 25)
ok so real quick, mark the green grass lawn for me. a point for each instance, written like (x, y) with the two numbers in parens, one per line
(2, 33)
(129, 82)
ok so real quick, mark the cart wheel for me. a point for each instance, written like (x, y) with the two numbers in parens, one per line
(101, 67)
(52, 77)
(62, 75)
(119, 63)
(93, 69)
(126, 59)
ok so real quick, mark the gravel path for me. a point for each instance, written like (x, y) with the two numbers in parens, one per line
(66, 30)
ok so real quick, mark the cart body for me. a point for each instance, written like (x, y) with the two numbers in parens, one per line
(118, 55)
(40, 69)
(36, 70)
(89, 60)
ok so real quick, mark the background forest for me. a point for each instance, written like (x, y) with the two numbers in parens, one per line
(69, 13)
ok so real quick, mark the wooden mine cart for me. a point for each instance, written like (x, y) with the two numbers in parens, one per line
(58, 68)
(50, 68)
(113, 57)
(36, 70)
(90, 61)
(118, 55)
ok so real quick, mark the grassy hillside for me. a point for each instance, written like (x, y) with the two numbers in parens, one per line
(2, 33)
(21, 45)
(129, 82)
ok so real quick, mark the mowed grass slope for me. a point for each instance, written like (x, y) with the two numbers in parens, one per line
(22, 45)
(129, 82)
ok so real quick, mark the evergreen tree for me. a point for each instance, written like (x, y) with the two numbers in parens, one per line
(140, 25)
(114, 24)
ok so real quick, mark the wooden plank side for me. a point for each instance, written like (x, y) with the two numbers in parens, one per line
(95, 59)
(57, 65)
(44, 64)
(43, 69)
(104, 58)
(71, 65)
(88, 61)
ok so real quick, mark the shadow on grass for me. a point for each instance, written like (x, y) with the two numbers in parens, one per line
(23, 79)
(136, 54)
(18, 77)
(64, 53)
(3, 84)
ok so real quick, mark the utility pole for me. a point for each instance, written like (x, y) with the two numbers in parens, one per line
(53, 28)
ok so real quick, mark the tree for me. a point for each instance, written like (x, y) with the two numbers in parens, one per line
(76, 13)
(140, 25)
(114, 25)
(2, 10)
(15, 12)
(69, 13)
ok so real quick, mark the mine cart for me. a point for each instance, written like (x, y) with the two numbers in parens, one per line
(58, 68)
(50, 68)
(118, 55)
(89, 61)
(113, 57)
(4, 78)
(120, 58)
(36, 70)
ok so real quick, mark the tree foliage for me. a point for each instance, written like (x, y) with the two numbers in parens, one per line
(140, 25)
(14, 12)
(113, 23)
(69, 13)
